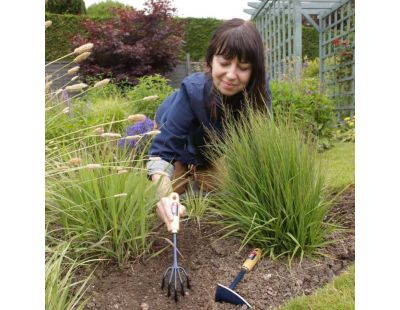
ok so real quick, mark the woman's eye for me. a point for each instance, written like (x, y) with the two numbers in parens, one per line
(244, 68)
(224, 64)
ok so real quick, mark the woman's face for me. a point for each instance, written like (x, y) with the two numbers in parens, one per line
(230, 76)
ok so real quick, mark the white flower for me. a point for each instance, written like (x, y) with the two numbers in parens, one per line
(83, 48)
(148, 98)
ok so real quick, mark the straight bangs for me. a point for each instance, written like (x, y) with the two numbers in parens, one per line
(233, 44)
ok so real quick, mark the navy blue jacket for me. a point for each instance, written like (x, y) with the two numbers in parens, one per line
(183, 118)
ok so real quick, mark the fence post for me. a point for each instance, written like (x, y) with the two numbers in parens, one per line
(297, 39)
(188, 66)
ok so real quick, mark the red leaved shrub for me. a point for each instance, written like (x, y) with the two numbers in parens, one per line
(133, 43)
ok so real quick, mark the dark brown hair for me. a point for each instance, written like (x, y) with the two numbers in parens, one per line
(241, 39)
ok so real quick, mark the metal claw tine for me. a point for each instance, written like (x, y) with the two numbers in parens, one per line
(169, 290)
(176, 296)
(182, 289)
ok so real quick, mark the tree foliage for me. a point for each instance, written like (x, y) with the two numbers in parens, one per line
(133, 43)
(66, 6)
(104, 9)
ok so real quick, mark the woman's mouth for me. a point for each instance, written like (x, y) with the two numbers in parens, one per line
(227, 85)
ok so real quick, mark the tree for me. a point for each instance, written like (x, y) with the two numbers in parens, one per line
(133, 43)
(104, 8)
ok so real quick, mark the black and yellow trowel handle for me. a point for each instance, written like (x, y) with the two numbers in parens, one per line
(247, 266)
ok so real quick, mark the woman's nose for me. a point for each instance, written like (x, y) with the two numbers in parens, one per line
(231, 73)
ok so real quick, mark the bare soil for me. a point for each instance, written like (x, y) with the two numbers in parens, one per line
(209, 261)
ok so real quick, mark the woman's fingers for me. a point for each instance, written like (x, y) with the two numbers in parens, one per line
(164, 211)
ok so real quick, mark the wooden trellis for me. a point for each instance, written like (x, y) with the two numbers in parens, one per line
(280, 22)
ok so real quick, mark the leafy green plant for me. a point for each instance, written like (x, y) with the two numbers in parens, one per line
(345, 131)
(311, 111)
(62, 290)
(272, 192)
(154, 88)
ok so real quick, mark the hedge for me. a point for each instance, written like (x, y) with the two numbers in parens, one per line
(310, 46)
(198, 33)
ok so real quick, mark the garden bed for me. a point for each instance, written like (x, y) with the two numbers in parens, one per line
(209, 261)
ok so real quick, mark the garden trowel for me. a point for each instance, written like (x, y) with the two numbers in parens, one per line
(227, 294)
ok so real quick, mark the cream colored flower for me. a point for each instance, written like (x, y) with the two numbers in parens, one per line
(122, 171)
(93, 166)
(136, 118)
(83, 48)
(148, 98)
(120, 195)
(128, 138)
(110, 135)
(81, 57)
(47, 86)
(76, 88)
(101, 83)
(99, 131)
(47, 24)
(74, 78)
(152, 133)
(75, 161)
(65, 110)
(73, 70)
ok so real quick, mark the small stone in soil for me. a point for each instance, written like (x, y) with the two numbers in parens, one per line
(144, 306)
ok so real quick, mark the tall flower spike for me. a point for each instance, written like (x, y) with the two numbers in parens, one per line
(93, 166)
(74, 78)
(110, 135)
(81, 57)
(83, 48)
(75, 88)
(98, 131)
(136, 118)
(47, 24)
(101, 83)
(148, 98)
(47, 86)
(73, 70)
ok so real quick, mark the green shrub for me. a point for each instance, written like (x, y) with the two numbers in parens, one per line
(66, 6)
(311, 68)
(272, 191)
(153, 85)
(303, 103)
(104, 9)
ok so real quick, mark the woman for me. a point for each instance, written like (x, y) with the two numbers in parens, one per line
(235, 69)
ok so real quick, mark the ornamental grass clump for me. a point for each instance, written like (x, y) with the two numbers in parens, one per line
(272, 192)
(108, 214)
(62, 290)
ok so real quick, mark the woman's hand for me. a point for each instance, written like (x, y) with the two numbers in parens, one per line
(164, 211)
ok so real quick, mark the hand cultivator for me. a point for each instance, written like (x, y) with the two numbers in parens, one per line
(175, 272)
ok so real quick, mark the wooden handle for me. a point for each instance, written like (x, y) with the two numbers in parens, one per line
(175, 212)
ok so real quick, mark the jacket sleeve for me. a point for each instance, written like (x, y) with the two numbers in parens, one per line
(174, 123)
